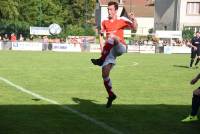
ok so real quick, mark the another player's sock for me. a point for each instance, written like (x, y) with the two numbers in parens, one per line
(195, 104)
(197, 61)
(108, 86)
(191, 62)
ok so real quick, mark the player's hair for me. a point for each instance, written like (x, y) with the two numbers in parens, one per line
(113, 3)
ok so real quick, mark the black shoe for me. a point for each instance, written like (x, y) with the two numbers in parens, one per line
(98, 62)
(110, 100)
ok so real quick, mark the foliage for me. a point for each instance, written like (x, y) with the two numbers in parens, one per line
(187, 34)
(18, 15)
(8, 9)
(149, 37)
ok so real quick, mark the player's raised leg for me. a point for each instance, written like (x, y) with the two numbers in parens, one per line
(106, 50)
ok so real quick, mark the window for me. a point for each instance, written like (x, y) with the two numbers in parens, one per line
(194, 28)
(193, 8)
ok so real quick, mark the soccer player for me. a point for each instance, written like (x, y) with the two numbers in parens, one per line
(195, 102)
(114, 44)
(195, 51)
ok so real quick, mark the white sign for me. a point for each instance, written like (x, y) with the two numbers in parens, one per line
(39, 30)
(133, 48)
(66, 47)
(31, 46)
(177, 49)
(95, 48)
(127, 33)
(147, 49)
(169, 34)
(141, 49)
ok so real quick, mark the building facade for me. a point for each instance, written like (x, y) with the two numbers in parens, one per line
(143, 12)
(177, 15)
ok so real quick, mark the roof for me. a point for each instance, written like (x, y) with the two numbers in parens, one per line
(142, 8)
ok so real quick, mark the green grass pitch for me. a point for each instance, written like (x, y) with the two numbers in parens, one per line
(153, 91)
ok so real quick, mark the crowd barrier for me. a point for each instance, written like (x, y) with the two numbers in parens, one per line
(63, 47)
(66, 47)
(176, 49)
(27, 46)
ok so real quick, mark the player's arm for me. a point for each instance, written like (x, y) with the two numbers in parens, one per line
(134, 24)
(194, 80)
(101, 41)
(129, 22)
(191, 44)
(101, 34)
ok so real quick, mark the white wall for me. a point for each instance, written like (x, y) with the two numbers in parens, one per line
(144, 24)
(186, 20)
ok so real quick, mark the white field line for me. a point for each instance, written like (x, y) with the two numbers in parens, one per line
(84, 116)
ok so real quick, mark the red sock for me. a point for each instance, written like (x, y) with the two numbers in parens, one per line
(108, 86)
(106, 49)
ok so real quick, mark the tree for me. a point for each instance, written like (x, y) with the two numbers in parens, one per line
(18, 15)
(187, 34)
(8, 9)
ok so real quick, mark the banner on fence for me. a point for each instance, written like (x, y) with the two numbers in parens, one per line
(176, 49)
(95, 48)
(63, 47)
(141, 49)
(31, 46)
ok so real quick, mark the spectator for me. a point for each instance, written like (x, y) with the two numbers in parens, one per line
(5, 38)
(31, 38)
(21, 38)
(13, 37)
(45, 42)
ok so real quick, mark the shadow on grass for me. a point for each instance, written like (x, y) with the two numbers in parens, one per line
(181, 66)
(129, 119)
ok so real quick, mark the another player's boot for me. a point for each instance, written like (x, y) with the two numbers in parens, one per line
(110, 100)
(98, 62)
(190, 118)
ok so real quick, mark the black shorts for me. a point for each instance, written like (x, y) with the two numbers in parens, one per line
(195, 53)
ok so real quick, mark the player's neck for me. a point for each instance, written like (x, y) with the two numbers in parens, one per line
(113, 18)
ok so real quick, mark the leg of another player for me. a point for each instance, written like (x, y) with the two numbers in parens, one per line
(195, 102)
(195, 106)
(197, 61)
(191, 62)
(193, 55)
(108, 84)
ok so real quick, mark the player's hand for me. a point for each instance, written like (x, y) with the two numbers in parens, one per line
(195, 48)
(193, 81)
(131, 16)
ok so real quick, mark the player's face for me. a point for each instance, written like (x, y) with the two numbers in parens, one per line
(111, 11)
